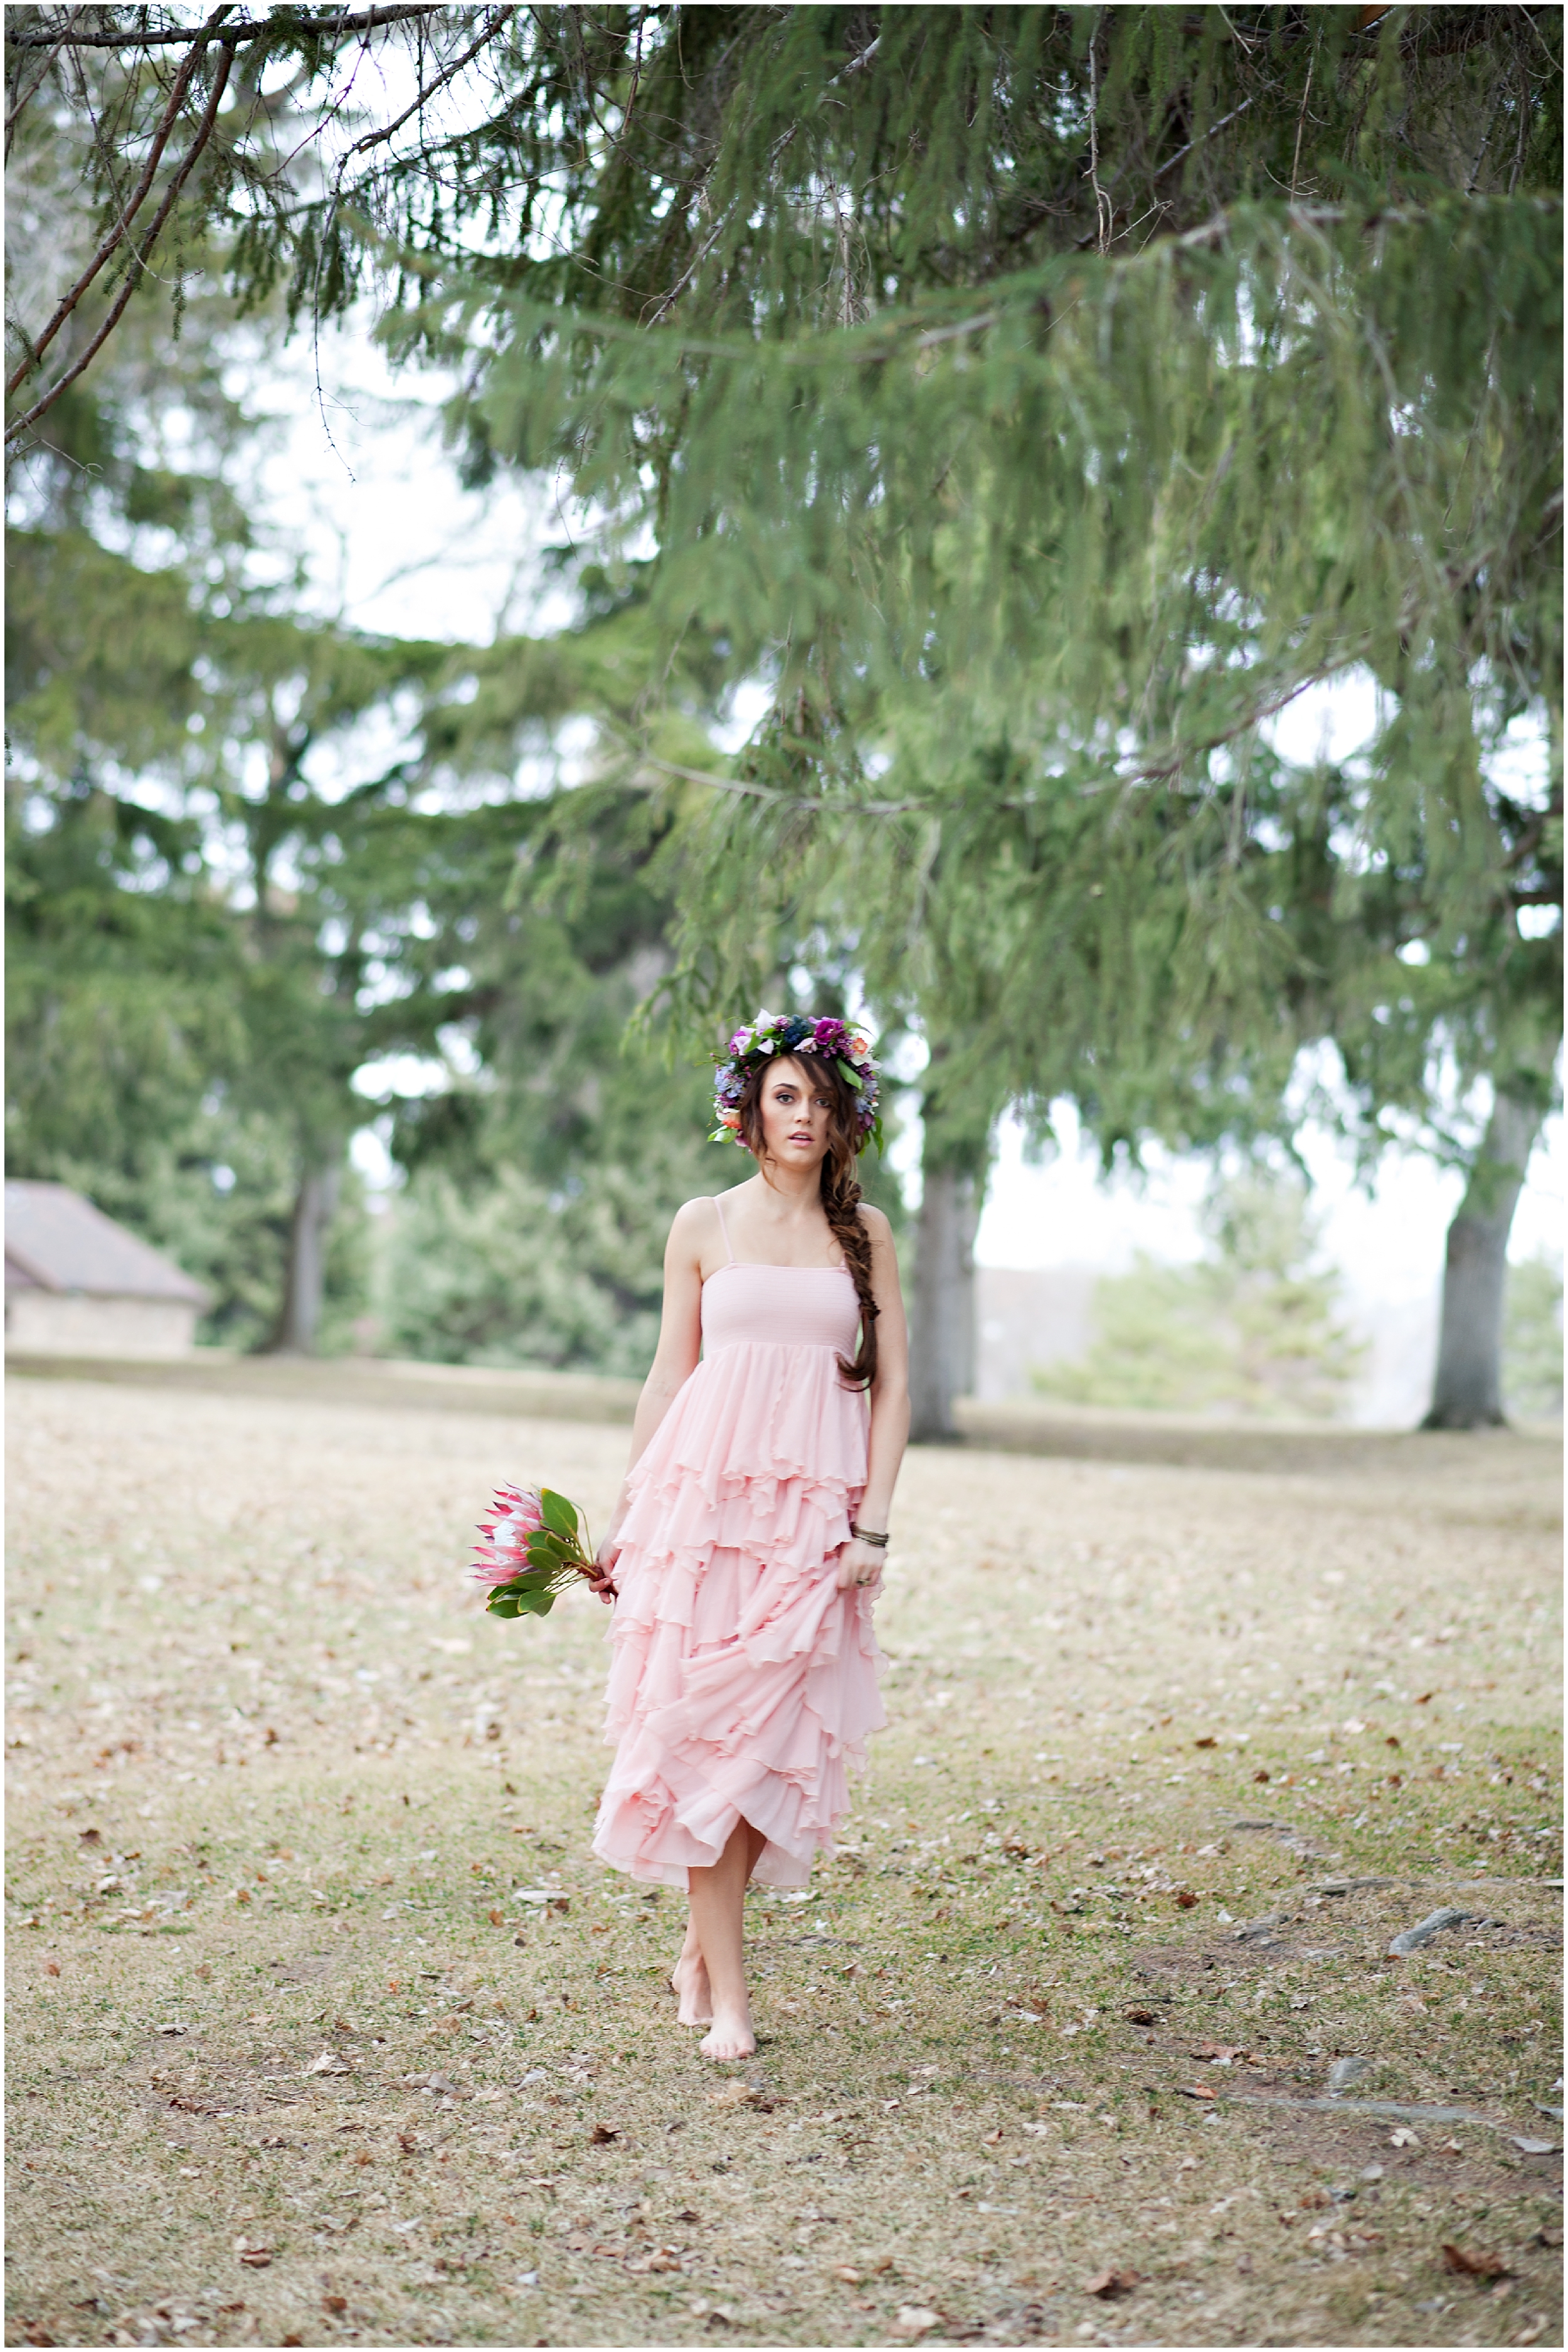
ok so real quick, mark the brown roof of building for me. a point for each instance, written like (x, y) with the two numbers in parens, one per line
(58, 1241)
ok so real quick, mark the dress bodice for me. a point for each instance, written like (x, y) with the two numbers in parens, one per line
(782, 1305)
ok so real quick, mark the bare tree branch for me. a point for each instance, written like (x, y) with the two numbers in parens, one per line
(329, 27)
(133, 204)
(133, 275)
(375, 138)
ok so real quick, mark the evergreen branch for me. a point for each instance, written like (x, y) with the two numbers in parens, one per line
(1159, 767)
(133, 204)
(134, 274)
(836, 347)
(779, 800)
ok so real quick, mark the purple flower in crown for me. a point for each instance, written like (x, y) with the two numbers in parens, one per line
(833, 1040)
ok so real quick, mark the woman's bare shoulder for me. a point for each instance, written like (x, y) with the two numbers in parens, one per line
(874, 1221)
(696, 1221)
(694, 1218)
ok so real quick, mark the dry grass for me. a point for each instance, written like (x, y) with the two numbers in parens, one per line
(280, 1792)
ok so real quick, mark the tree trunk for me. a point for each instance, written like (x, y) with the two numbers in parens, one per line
(1467, 1391)
(941, 1326)
(304, 1279)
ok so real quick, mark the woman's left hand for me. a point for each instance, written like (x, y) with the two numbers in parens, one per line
(860, 1564)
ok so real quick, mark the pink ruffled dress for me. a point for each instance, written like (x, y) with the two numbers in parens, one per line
(742, 1682)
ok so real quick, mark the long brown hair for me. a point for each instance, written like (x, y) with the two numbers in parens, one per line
(840, 1189)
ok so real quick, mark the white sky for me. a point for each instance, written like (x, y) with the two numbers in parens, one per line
(394, 544)
(1387, 1246)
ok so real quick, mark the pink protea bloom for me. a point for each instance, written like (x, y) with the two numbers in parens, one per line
(504, 1548)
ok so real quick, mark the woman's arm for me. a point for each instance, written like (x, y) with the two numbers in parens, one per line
(680, 1346)
(888, 1434)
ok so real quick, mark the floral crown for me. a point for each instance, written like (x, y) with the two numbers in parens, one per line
(775, 1034)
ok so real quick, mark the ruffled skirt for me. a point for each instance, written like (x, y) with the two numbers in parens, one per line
(743, 1683)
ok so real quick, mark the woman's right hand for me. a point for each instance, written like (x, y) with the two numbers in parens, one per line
(605, 1559)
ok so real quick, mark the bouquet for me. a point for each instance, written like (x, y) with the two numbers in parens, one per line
(534, 1549)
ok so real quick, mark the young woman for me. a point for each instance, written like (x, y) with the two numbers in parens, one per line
(747, 1543)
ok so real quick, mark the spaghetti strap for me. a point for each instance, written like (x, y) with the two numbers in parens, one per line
(723, 1228)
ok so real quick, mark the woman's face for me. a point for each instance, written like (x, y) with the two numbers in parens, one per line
(796, 1110)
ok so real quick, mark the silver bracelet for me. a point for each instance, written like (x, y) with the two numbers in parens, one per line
(864, 1535)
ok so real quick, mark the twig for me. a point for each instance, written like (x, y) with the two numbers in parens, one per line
(1213, 131)
(15, 115)
(332, 27)
(374, 137)
(133, 275)
(1104, 216)
(133, 204)
(1301, 118)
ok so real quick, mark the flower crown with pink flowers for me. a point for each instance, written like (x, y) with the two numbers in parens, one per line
(771, 1035)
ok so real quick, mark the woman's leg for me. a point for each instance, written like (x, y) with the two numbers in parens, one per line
(717, 1915)
(689, 1981)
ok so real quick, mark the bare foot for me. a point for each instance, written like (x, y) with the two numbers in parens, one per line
(731, 2036)
(689, 1984)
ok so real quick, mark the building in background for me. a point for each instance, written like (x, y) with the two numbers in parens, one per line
(77, 1284)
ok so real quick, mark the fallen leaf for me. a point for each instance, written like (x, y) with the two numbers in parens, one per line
(1196, 2091)
(328, 2062)
(1139, 2017)
(1185, 1898)
(1549, 2236)
(601, 2135)
(1536, 2147)
(1208, 1740)
(334, 2303)
(1476, 2266)
(843, 2271)
(739, 2095)
(1403, 2138)
(1108, 2285)
(498, 1918)
(992, 2140)
(912, 2320)
(255, 2258)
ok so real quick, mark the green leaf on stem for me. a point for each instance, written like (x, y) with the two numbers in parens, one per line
(560, 1516)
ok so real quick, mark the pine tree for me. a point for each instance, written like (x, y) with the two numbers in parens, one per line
(1040, 399)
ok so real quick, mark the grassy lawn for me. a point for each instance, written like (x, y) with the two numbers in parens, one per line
(325, 2026)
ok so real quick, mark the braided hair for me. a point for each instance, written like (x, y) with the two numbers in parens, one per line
(840, 1188)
